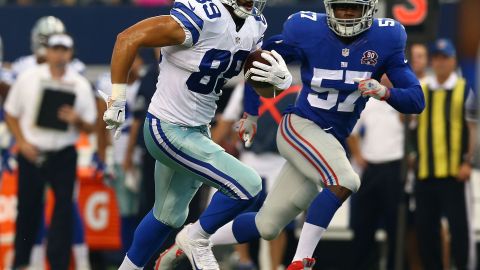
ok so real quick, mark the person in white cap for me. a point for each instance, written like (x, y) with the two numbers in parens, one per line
(46, 109)
(43, 28)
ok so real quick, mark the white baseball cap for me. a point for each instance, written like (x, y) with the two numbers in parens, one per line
(63, 40)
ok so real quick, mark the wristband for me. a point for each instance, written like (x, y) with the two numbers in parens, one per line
(119, 91)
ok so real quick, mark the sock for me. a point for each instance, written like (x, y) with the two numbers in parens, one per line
(78, 231)
(319, 215)
(196, 231)
(37, 257)
(308, 241)
(41, 233)
(224, 235)
(128, 230)
(127, 264)
(148, 238)
(241, 230)
(221, 210)
(80, 253)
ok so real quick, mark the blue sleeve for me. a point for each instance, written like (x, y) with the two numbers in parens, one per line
(251, 100)
(406, 96)
(288, 44)
(278, 43)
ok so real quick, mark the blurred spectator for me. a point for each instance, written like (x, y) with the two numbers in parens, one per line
(46, 108)
(445, 139)
(377, 147)
(139, 110)
(419, 60)
(5, 137)
(418, 56)
(125, 176)
(43, 28)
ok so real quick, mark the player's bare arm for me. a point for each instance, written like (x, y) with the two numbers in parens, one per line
(157, 31)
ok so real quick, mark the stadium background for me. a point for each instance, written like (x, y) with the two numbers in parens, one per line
(95, 26)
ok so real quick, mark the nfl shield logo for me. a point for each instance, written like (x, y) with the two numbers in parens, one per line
(237, 40)
(346, 52)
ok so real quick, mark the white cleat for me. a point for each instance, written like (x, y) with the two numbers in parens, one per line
(169, 259)
(199, 252)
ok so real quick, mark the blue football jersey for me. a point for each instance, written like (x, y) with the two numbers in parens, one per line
(329, 96)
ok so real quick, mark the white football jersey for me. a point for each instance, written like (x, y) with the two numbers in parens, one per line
(192, 74)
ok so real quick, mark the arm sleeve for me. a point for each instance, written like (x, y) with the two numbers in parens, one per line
(406, 96)
(13, 103)
(251, 101)
(86, 104)
(278, 43)
(189, 18)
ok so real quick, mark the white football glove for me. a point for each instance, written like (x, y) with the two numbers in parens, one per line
(246, 128)
(114, 116)
(372, 88)
(276, 74)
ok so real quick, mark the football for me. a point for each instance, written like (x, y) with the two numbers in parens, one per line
(263, 89)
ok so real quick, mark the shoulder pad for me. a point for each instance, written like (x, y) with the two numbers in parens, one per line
(302, 25)
(390, 31)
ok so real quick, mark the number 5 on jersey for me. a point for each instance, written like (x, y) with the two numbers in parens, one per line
(347, 105)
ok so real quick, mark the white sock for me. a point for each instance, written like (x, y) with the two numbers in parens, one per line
(224, 235)
(128, 265)
(37, 257)
(195, 231)
(309, 238)
(80, 252)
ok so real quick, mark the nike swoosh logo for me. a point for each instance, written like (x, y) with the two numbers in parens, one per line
(195, 264)
(405, 61)
(191, 7)
(118, 114)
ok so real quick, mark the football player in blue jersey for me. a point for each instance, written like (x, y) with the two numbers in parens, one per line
(203, 43)
(343, 55)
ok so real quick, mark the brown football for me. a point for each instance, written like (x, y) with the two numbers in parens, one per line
(263, 89)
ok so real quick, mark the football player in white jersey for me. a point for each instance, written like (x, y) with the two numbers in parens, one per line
(204, 43)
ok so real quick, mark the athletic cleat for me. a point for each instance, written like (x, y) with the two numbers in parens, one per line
(169, 259)
(199, 252)
(305, 264)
